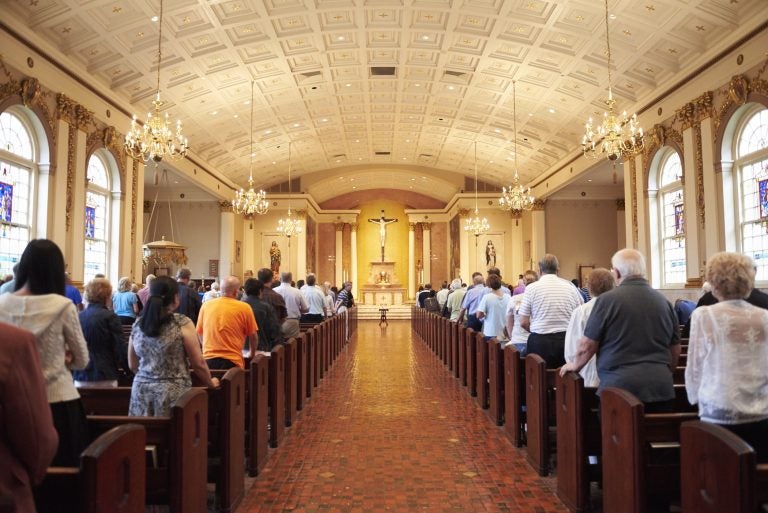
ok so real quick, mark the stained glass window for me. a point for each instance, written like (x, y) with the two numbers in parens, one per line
(96, 219)
(16, 164)
(752, 166)
(672, 218)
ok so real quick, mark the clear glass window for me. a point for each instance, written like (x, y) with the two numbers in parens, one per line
(672, 219)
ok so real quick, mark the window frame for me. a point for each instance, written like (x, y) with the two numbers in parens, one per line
(665, 189)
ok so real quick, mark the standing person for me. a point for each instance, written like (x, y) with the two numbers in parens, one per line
(728, 354)
(72, 293)
(546, 311)
(28, 437)
(189, 301)
(599, 282)
(328, 300)
(39, 305)
(634, 331)
(344, 300)
(295, 305)
(492, 309)
(455, 298)
(143, 293)
(125, 303)
(518, 336)
(268, 294)
(270, 333)
(315, 299)
(442, 295)
(161, 344)
(224, 324)
(104, 335)
(10, 285)
(213, 293)
(472, 301)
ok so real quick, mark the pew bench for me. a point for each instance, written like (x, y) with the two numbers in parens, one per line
(110, 479)
(540, 414)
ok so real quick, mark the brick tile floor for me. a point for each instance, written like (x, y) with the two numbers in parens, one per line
(391, 431)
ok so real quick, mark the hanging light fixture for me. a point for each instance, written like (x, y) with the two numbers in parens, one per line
(156, 139)
(289, 226)
(517, 198)
(162, 253)
(476, 225)
(617, 136)
(250, 202)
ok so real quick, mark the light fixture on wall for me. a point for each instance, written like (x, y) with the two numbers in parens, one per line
(250, 202)
(617, 136)
(156, 139)
(476, 225)
(517, 198)
(289, 226)
(162, 253)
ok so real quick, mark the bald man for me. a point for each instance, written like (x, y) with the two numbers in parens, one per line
(223, 325)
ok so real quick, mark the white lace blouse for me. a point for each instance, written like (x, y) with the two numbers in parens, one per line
(727, 370)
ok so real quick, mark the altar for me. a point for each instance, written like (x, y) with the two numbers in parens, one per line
(383, 286)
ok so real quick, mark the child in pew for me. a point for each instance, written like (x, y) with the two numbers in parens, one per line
(728, 354)
(160, 344)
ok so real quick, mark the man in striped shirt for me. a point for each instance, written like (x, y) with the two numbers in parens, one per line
(546, 311)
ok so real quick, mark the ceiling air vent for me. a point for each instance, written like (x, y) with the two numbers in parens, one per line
(382, 153)
(383, 71)
(454, 73)
(310, 74)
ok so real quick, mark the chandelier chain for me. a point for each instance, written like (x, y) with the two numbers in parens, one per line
(159, 48)
(608, 46)
(515, 198)
(250, 202)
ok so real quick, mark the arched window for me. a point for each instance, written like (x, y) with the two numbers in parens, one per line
(751, 164)
(672, 219)
(17, 162)
(97, 208)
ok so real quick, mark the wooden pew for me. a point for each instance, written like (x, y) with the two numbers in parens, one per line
(461, 372)
(257, 418)
(496, 382)
(110, 479)
(301, 370)
(640, 453)
(514, 395)
(179, 479)
(578, 437)
(471, 361)
(291, 381)
(540, 414)
(276, 396)
(719, 471)
(481, 371)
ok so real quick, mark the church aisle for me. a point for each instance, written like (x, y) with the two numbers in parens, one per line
(391, 431)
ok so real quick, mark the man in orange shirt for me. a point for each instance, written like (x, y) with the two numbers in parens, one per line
(224, 323)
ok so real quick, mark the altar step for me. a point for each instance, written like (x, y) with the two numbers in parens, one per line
(396, 312)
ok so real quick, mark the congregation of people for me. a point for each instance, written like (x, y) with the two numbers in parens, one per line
(617, 331)
(57, 340)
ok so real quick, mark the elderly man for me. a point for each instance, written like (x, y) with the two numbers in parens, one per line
(270, 333)
(315, 299)
(224, 324)
(143, 293)
(635, 330)
(546, 311)
(295, 305)
(471, 301)
(189, 301)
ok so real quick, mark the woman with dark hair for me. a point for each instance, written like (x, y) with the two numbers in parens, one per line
(161, 342)
(39, 305)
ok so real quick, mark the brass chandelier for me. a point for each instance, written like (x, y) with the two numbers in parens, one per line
(289, 226)
(156, 139)
(617, 136)
(476, 225)
(250, 202)
(517, 198)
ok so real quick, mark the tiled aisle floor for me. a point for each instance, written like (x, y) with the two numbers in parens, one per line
(390, 430)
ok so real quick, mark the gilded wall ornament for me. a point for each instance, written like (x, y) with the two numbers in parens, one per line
(621, 205)
(71, 147)
(539, 204)
(633, 199)
(134, 200)
(225, 206)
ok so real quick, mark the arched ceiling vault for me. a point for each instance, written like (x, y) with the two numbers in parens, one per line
(388, 82)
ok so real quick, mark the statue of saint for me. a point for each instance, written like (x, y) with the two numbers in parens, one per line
(274, 257)
(382, 222)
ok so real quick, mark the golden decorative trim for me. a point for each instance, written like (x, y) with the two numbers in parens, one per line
(687, 115)
(301, 214)
(463, 212)
(71, 147)
(339, 226)
(699, 172)
(72, 113)
(704, 106)
(539, 204)
(621, 205)
(633, 199)
(411, 227)
(134, 201)
(426, 225)
(32, 96)
(354, 227)
(225, 206)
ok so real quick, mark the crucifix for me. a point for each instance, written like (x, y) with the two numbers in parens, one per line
(382, 222)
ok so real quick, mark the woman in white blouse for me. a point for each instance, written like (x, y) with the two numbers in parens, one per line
(727, 371)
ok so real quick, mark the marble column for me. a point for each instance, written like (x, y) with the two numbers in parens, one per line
(691, 218)
(411, 261)
(426, 252)
(464, 248)
(250, 262)
(226, 239)
(300, 268)
(137, 211)
(353, 264)
(711, 214)
(75, 255)
(339, 254)
(539, 233)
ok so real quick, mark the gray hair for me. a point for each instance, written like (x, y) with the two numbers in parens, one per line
(549, 264)
(629, 262)
(149, 279)
(456, 284)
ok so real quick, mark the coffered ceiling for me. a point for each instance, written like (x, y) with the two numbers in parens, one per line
(385, 84)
